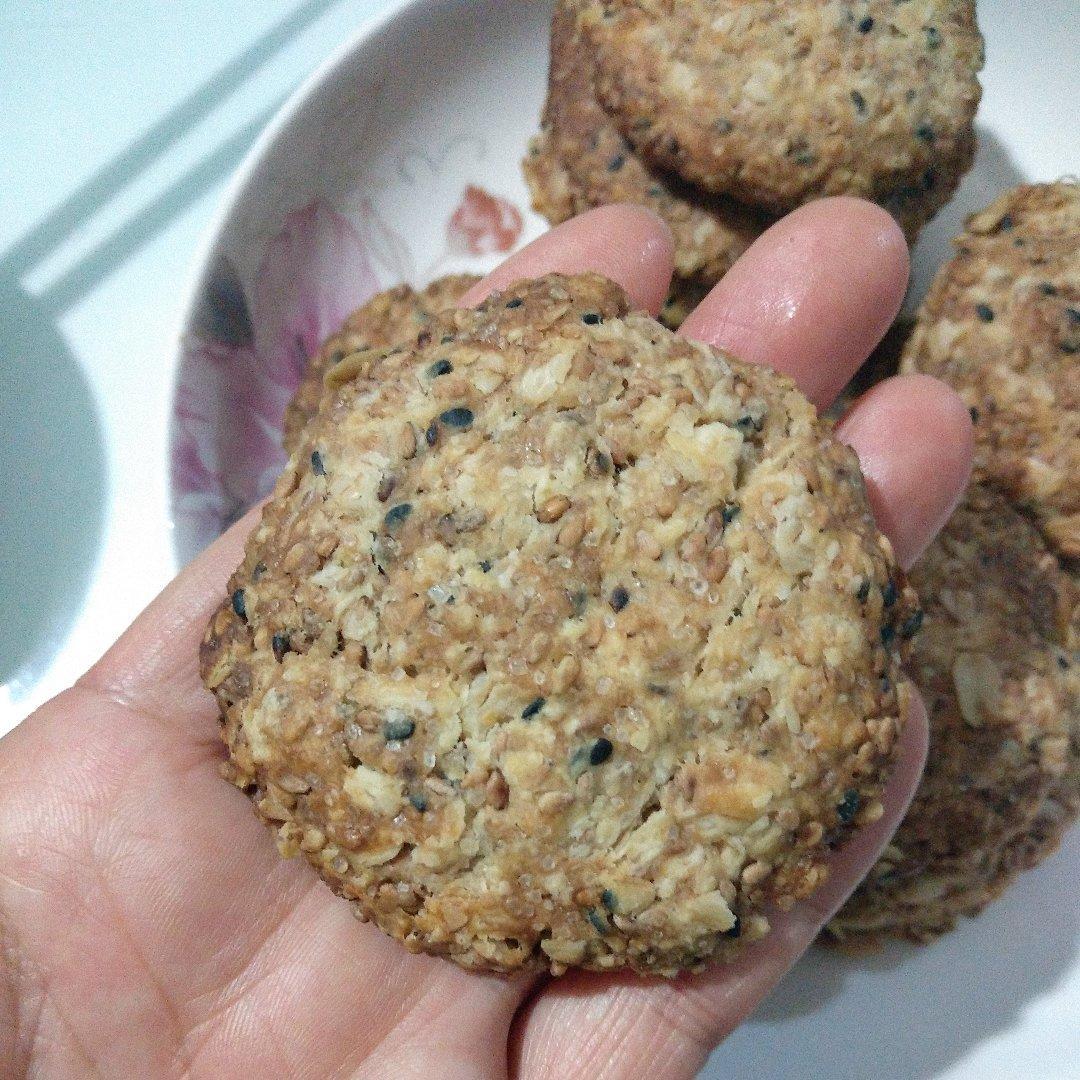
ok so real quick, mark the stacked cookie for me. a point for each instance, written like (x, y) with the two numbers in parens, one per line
(722, 115)
(997, 662)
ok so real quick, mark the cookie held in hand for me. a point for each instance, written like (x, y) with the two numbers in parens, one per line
(563, 640)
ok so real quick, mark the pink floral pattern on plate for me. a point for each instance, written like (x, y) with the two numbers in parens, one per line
(241, 363)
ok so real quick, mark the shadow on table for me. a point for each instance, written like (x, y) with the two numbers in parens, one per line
(54, 486)
(919, 1008)
(52, 503)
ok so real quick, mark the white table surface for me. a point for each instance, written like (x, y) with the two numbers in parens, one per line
(121, 122)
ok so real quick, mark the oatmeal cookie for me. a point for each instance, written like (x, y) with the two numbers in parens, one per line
(388, 317)
(775, 104)
(1002, 687)
(1001, 324)
(563, 640)
(580, 160)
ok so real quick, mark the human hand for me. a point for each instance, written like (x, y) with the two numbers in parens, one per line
(149, 926)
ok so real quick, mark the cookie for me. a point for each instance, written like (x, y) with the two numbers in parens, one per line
(563, 640)
(388, 317)
(1002, 688)
(580, 161)
(1001, 324)
(776, 104)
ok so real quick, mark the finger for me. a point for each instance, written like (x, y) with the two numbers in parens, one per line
(914, 439)
(812, 296)
(627, 244)
(154, 666)
(589, 1025)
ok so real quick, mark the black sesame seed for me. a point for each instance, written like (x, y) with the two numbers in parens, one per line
(886, 684)
(864, 591)
(848, 807)
(1047, 289)
(1006, 223)
(600, 752)
(238, 604)
(597, 921)
(440, 367)
(658, 689)
(619, 598)
(889, 593)
(866, 25)
(532, 708)
(858, 101)
(735, 929)
(337, 356)
(396, 515)
(888, 634)
(591, 318)
(933, 37)
(398, 729)
(458, 417)
(730, 513)
(912, 624)
(431, 436)
(578, 601)
(260, 569)
(1070, 348)
(609, 900)
(748, 423)
(1073, 313)
(418, 801)
(317, 466)
(281, 645)
(485, 565)
(926, 133)
(1063, 663)
(446, 339)
(602, 462)
(985, 312)
(616, 163)
(515, 303)
(974, 414)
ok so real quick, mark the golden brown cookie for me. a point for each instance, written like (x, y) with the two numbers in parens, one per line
(563, 640)
(1001, 324)
(579, 161)
(388, 317)
(775, 104)
(1002, 687)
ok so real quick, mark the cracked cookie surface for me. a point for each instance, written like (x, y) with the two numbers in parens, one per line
(775, 104)
(563, 640)
(580, 160)
(998, 667)
(387, 318)
(1001, 325)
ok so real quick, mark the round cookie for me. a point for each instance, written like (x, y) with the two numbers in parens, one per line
(388, 317)
(775, 104)
(563, 640)
(1001, 324)
(580, 160)
(1002, 687)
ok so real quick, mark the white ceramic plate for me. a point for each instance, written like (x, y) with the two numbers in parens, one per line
(398, 161)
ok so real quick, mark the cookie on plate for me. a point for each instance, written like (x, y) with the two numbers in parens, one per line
(388, 317)
(775, 104)
(580, 160)
(1002, 687)
(1001, 324)
(563, 640)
